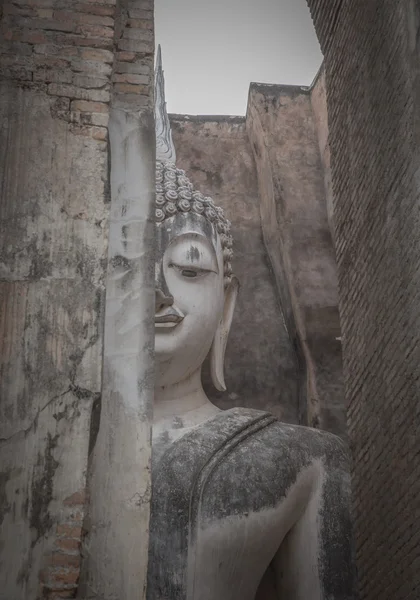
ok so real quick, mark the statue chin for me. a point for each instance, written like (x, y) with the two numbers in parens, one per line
(168, 343)
(178, 355)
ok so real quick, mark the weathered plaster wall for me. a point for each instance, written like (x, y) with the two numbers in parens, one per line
(60, 63)
(373, 91)
(53, 221)
(282, 131)
(261, 369)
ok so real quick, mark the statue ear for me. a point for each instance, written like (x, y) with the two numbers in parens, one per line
(217, 352)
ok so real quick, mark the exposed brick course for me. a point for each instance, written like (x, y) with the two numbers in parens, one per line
(83, 51)
(66, 45)
(60, 576)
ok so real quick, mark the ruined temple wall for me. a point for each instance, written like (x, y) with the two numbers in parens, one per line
(372, 77)
(61, 62)
(286, 322)
(260, 365)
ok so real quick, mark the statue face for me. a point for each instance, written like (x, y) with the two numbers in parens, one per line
(189, 294)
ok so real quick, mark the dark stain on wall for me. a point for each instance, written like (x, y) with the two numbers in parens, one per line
(42, 490)
(4, 503)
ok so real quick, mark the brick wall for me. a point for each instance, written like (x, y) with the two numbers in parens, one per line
(325, 14)
(79, 53)
(63, 63)
(372, 78)
(133, 77)
(64, 49)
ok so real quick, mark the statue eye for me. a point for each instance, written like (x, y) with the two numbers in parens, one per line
(188, 273)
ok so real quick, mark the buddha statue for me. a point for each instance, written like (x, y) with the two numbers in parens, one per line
(244, 507)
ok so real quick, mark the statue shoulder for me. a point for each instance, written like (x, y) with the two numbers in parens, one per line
(243, 438)
(314, 442)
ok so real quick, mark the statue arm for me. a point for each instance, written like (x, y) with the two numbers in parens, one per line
(315, 560)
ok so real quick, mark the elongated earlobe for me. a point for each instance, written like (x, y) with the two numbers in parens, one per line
(217, 352)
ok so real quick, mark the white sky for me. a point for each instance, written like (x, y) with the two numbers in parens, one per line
(213, 49)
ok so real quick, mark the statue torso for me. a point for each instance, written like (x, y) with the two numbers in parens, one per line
(225, 494)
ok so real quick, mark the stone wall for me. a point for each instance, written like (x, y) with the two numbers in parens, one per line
(284, 350)
(261, 367)
(373, 93)
(284, 137)
(60, 64)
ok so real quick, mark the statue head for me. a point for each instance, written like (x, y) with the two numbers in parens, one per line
(195, 288)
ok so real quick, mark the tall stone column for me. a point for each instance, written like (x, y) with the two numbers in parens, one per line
(115, 547)
(116, 544)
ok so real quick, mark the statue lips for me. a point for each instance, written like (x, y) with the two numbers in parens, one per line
(170, 317)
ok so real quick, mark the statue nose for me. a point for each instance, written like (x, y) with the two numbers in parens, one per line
(162, 300)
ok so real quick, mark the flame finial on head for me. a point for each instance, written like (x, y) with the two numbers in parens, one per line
(165, 150)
